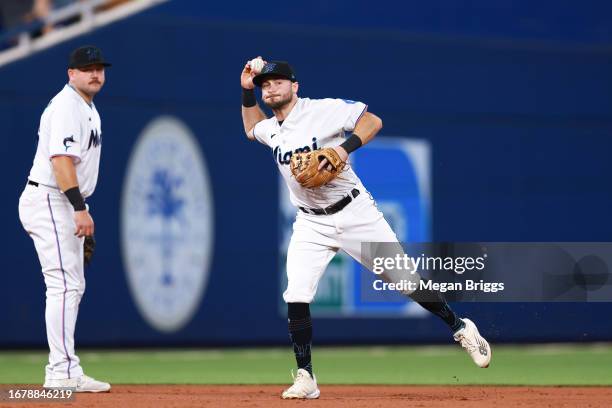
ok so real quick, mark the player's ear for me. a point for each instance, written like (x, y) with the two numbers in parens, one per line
(295, 86)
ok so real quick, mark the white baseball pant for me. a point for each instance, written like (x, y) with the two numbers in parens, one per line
(317, 238)
(47, 216)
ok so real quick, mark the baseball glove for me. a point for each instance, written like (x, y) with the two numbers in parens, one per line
(89, 247)
(305, 167)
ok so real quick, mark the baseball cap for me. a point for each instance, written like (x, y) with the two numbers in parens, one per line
(86, 55)
(275, 68)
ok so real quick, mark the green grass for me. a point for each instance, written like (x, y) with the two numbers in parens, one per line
(512, 365)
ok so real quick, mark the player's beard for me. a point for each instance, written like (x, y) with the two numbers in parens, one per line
(89, 89)
(93, 88)
(280, 103)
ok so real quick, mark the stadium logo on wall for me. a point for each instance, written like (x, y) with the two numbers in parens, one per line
(167, 224)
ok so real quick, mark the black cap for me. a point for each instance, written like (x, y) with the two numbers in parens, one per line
(86, 55)
(275, 68)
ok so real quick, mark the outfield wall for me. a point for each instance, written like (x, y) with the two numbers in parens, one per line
(518, 122)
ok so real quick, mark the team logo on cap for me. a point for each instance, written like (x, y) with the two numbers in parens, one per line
(167, 224)
(93, 54)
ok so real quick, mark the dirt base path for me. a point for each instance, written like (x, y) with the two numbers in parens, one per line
(370, 396)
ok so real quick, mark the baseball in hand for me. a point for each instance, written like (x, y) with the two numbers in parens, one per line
(257, 65)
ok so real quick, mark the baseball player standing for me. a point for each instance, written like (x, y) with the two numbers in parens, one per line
(53, 212)
(338, 215)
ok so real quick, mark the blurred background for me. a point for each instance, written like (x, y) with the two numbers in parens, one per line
(497, 127)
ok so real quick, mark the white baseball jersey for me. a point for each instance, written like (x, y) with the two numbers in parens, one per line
(69, 126)
(312, 124)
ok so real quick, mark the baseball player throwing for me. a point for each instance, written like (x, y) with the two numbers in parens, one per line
(53, 212)
(334, 211)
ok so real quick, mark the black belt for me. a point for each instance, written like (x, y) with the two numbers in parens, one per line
(32, 183)
(334, 208)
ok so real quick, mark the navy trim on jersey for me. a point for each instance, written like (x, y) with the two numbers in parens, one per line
(74, 156)
(360, 116)
(91, 105)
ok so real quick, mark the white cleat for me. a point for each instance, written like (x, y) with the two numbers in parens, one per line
(476, 346)
(88, 384)
(66, 383)
(304, 387)
(80, 384)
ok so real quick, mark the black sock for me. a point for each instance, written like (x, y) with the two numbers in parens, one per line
(434, 302)
(300, 332)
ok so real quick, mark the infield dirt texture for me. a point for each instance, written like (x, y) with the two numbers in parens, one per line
(520, 376)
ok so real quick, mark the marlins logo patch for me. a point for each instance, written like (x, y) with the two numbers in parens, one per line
(68, 140)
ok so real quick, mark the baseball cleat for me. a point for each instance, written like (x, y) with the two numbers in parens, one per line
(66, 383)
(304, 387)
(476, 346)
(81, 384)
(88, 384)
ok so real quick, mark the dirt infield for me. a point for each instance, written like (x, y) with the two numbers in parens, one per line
(370, 396)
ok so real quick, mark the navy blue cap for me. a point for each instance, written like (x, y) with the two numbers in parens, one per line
(86, 55)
